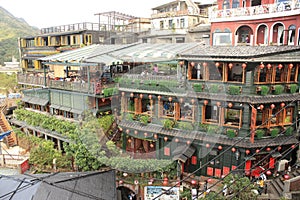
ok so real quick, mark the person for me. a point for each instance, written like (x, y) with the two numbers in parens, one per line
(225, 190)
(144, 73)
(261, 184)
(247, 39)
(155, 69)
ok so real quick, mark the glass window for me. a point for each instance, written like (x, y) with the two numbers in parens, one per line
(211, 113)
(226, 4)
(233, 117)
(235, 3)
(222, 38)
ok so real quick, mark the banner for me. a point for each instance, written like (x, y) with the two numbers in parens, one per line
(164, 193)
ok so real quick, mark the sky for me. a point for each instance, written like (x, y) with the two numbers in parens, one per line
(43, 14)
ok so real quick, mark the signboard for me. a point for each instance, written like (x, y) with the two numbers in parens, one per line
(162, 193)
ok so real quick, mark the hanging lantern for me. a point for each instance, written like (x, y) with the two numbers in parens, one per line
(207, 145)
(261, 66)
(127, 131)
(165, 181)
(218, 104)
(170, 99)
(257, 151)
(145, 134)
(247, 151)
(209, 180)
(158, 97)
(205, 102)
(103, 99)
(176, 140)
(135, 132)
(131, 94)
(181, 100)
(282, 104)
(150, 96)
(181, 63)
(123, 93)
(291, 66)
(269, 66)
(280, 66)
(279, 148)
(233, 149)
(244, 65)
(204, 64)
(293, 146)
(268, 149)
(193, 182)
(220, 147)
(217, 64)
(192, 64)
(141, 96)
(268, 172)
(286, 176)
(230, 66)
(272, 106)
(165, 138)
(192, 101)
(151, 145)
(230, 105)
(188, 142)
(129, 140)
(155, 136)
(261, 106)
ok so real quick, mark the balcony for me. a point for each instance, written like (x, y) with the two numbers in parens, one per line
(31, 79)
(256, 12)
(171, 14)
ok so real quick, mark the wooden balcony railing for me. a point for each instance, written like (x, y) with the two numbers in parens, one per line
(27, 79)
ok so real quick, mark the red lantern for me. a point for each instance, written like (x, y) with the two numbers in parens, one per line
(230, 105)
(155, 136)
(103, 99)
(268, 172)
(145, 134)
(230, 65)
(293, 146)
(192, 64)
(131, 94)
(170, 98)
(181, 100)
(135, 132)
(247, 151)
(280, 66)
(151, 145)
(207, 145)
(209, 180)
(181, 63)
(272, 106)
(150, 96)
(291, 66)
(233, 149)
(188, 142)
(192, 101)
(220, 147)
(268, 149)
(158, 97)
(121, 182)
(141, 96)
(127, 131)
(204, 64)
(123, 93)
(218, 104)
(282, 104)
(166, 138)
(244, 65)
(257, 151)
(129, 140)
(205, 102)
(262, 66)
(279, 148)
(217, 64)
(176, 140)
(193, 182)
(165, 182)
(261, 106)
(286, 176)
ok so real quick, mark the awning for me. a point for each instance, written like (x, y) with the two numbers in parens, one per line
(79, 112)
(38, 101)
(26, 99)
(250, 158)
(54, 106)
(183, 152)
(64, 108)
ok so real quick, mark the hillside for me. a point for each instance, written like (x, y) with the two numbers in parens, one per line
(10, 29)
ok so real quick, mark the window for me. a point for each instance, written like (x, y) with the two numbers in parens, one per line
(196, 72)
(182, 23)
(170, 109)
(270, 73)
(171, 24)
(291, 35)
(211, 113)
(235, 4)
(226, 4)
(161, 24)
(233, 117)
(222, 38)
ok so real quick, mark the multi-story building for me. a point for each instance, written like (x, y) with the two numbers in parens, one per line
(171, 21)
(254, 23)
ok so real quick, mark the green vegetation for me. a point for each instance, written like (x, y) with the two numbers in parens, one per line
(10, 29)
(264, 90)
(231, 133)
(8, 83)
(198, 87)
(289, 130)
(274, 132)
(259, 133)
(185, 126)
(234, 90)
(278, 89)
(168, 124)
(293, 88)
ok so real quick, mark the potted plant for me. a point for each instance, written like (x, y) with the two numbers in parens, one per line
(234, 90)
(168, 124)
(289, 130)
(259, 133)
(278, 89)
(231, 133)
(293, 88)
(274, 132)
(144, 119)
(264, 90)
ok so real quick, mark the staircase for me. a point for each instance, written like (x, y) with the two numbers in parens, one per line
(11, 139)
(276, 186)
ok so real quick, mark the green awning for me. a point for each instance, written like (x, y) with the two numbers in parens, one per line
(38, 101)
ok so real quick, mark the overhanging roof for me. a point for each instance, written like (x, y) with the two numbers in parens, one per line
(183, 152)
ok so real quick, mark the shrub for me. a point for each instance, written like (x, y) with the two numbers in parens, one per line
(264, 90)
(144, 119)
(198, 87)
(293, 88)
(274, 132)
(168, 124)
(231, 133)
(278, 89)
(129, 116)
(185, 126)
(289, 130)
(214, 88)
(203, 127)
(234, 90)
(259, 133)
(213, 129)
